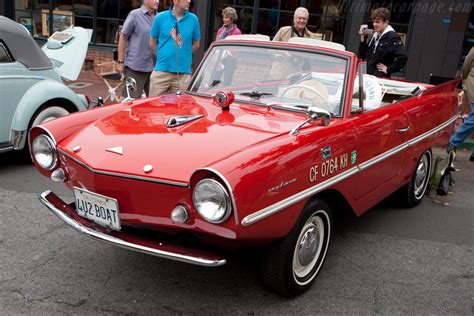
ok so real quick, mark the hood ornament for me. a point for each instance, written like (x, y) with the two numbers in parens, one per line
(175, 121)
(116, 150)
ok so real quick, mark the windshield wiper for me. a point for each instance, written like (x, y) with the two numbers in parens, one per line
(255, 94)
(293, 105)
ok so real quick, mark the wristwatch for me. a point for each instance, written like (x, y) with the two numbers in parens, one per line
(120, 61)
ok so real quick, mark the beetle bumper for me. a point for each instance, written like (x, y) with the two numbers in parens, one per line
(128, 241)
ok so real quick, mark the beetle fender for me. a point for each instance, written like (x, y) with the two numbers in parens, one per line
(39, 94)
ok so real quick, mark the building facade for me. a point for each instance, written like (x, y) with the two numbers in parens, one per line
(438, 34)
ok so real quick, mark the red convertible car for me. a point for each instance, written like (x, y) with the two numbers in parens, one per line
(267, 143)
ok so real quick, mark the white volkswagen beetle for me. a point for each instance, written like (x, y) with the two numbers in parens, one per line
(31, 79)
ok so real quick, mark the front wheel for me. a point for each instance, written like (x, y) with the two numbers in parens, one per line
(290, 266)
(412, 193)
(47, 114)
(44, 114)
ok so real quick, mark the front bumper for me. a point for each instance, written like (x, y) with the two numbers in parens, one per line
(127, 241)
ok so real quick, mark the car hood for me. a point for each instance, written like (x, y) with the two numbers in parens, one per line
(68, 53)
(138, 135)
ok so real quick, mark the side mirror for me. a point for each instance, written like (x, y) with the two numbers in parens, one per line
(130, 85)
(99, 102)
(314, 113)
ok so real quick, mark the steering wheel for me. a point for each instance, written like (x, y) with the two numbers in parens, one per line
(302, 86)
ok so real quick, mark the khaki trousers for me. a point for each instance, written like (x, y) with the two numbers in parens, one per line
(167, 82)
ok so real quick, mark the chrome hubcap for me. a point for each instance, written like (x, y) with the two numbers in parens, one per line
(421, 176)
(308, 246)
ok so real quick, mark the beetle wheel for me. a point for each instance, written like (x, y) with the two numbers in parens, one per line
(290, 266)
(47, 114)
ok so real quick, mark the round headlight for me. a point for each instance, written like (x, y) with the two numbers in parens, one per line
(44, 152)
(211, 201)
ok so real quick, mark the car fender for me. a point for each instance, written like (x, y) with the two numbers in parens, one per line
(39, 94)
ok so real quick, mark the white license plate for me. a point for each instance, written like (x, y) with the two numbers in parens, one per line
(99, 208)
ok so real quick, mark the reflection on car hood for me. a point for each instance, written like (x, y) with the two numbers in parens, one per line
(175, 153)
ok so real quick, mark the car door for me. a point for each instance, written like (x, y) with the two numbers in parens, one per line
(382, 130)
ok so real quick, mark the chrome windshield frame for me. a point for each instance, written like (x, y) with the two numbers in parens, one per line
(282, 46)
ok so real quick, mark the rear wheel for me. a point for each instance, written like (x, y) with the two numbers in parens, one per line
(290, 266)
(412, 193)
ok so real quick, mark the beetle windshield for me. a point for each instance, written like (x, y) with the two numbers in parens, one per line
(293, 79)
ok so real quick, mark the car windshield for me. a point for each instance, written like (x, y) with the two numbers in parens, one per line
(277, 77)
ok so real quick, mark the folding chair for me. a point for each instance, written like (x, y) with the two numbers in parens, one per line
(106, 70)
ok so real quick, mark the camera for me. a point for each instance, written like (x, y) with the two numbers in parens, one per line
(365, 30)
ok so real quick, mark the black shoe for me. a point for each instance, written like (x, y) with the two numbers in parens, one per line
(471, 158)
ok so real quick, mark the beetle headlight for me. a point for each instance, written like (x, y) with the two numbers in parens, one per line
(211, 201)
(44, 152)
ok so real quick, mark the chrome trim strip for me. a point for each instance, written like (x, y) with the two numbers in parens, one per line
(229, 188)
(18, 139)
(275, 208)
(125, 244)
(5, 149)
(125, 176)
(25, 77)
(433, 131)
(383, 156)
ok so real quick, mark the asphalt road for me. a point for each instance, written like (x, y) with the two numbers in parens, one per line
(389, 261)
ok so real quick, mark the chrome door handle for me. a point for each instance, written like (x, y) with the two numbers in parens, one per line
(403, 130)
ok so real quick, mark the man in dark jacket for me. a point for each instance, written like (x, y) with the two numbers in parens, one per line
(384, 51)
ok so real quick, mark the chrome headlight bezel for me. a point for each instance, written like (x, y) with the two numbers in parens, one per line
(218, 188)
(52, 148)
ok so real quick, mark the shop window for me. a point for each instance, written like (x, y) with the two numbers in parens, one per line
(468, 42)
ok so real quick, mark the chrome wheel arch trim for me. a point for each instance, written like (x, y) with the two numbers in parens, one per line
(122, 175)
(229, 188)
(281, 205)
(6, 149)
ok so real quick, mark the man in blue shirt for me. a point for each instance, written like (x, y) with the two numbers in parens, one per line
(176, 33)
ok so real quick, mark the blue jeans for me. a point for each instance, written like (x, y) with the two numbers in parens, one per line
(464, 131)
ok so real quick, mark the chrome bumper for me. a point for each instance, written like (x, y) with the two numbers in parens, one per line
(173, 252)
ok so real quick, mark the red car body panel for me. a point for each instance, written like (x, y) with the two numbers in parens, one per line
(249, 150)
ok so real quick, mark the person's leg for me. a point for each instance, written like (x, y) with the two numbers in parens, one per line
(147, 84)
(463, 131)
(160, 82)
(184, 80)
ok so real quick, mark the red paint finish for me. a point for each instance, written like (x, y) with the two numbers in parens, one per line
(248, 149)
